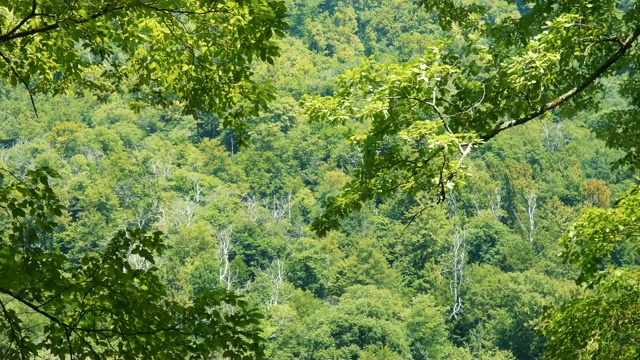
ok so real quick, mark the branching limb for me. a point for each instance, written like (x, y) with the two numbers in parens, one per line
(11, 326)
(22, 80)
(175, 327)
(30, 16)
(53, 297)
(628, 43)
(66, 334)
(53, 26)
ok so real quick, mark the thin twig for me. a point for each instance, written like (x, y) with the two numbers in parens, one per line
(13, 331)
(22, 80)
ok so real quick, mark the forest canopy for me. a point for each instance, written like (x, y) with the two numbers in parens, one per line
(319, 179)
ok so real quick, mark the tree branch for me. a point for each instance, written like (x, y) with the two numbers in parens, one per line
(89, 346)
(11, 326)
(66, 326)
(66, 333)
(628, 43)
(23, 21)
(54, 296)
(182, 11)
(33, 307)
(49, 27)
(22, 80)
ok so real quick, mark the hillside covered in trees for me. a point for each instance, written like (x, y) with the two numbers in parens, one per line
(375, 188)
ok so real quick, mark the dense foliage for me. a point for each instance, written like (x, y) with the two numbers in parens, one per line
(386, 134)
(160, 52)
(104, 299)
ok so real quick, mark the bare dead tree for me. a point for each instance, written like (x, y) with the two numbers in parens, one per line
(162, 170)
(137, 261)
(277, 209)
(143, 215)
(552, 137)
(277, 279)
(197, 189)
(289, 197)
(455, 268)
(155, 169)
(452, 205)
(162, 214)
(280, 207)
(529, 226)
(124, 191)
(352, 160)
(183, 212)
(225, 242)
(93, 154)
(495, 202)
(252, 206)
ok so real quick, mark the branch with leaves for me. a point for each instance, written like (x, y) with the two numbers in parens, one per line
(408, 117)
(105, 307)
(167, 53)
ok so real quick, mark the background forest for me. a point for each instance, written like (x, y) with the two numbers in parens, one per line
(465, 280)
